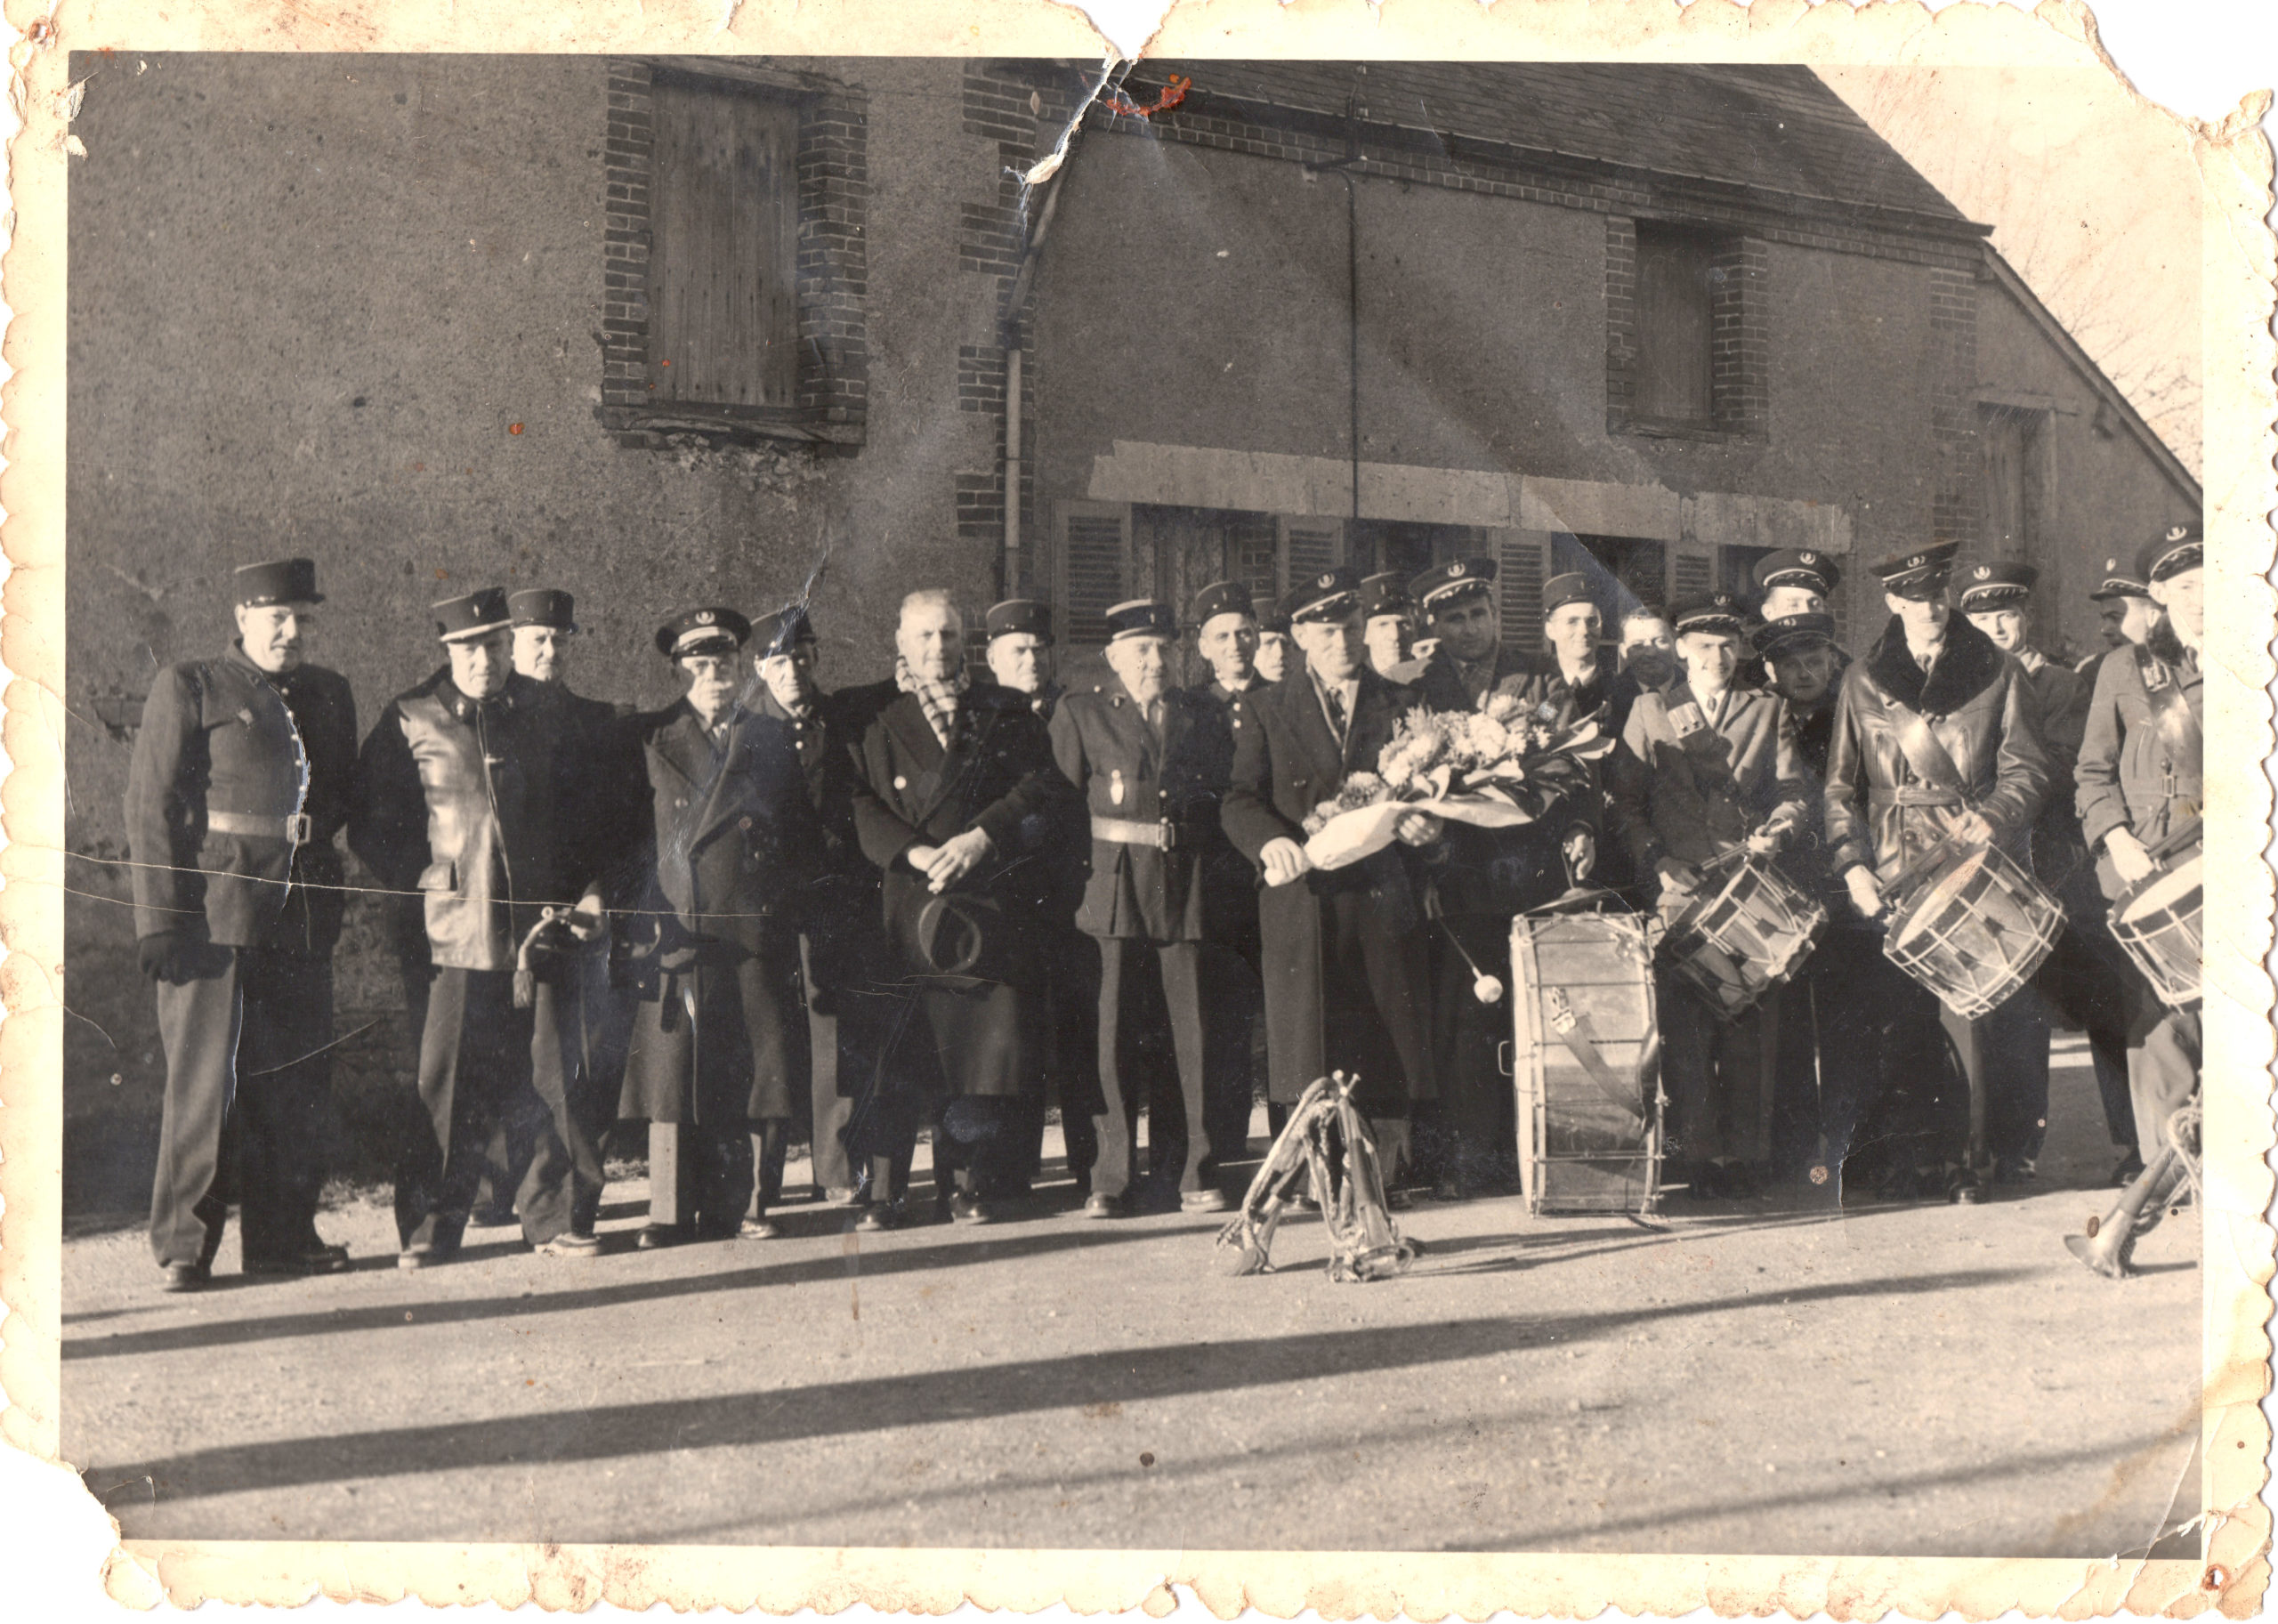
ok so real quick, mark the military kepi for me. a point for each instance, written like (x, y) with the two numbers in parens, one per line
(478, 614)
(702, 631)
(788, 627)
(1920, 573)
(1222, 598)
(1445, 584)
(285, 580)
(543, 606)
(1330, 595)
(1793, 635)
(1999, 585)
(1020, 615)
(1706, 611)
(1384, 595)
(2178, 548)
(1141, 617)
(1560, 590)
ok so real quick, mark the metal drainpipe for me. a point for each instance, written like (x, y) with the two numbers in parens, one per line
(1015, 299)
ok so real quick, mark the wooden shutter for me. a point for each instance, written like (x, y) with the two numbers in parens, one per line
(1095, 546)
(1521, 573)
(1692, 572)
(1251, 557)
(724, 259)
(1673, 325)
(1310, 547)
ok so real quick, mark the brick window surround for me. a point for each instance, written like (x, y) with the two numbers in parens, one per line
(1737, 339)
(828, 408)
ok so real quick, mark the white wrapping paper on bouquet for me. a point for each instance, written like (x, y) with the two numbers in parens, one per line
(1351, 835)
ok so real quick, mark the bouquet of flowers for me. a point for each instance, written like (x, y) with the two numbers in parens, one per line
(1496, 767)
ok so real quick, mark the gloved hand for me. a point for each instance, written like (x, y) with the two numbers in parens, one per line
(165, 958)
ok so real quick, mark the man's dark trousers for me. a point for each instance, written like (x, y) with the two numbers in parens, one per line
(1120, 1088)
(475, 1065)
(246, 1103)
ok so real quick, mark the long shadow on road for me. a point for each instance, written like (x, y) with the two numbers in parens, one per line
(764, 1416)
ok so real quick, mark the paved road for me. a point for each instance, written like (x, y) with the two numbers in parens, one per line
(1763, 1377)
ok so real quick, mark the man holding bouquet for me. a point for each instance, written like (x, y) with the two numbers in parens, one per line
(1347, 977)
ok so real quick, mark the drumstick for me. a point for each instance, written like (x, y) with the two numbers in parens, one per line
(1484, 987)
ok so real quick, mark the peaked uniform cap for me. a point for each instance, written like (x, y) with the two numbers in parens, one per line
(1142, 617)
(1384, 595)
(2120, 581)
(1918, 572)
(703, 631)
(1797, 567)
(1224, 598)
(475, 614)
(543, 606)
(1560, 590)
(285, 580)
(1706, 611)
(1331, 595)
(786, 628)
(2002, 581)
(1457, 578)
(2177, 548)
(1794, 633)
(1018, 615)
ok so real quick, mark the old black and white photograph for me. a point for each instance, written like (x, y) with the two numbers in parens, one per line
(1431, 805)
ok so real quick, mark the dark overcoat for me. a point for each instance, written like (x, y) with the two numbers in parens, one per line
(1690, 784)
(222, 736)
(1113, 758)
(2141, 769)
(1977, 702)
(730, 852)
(1347, 977)
(1230, 882)
(997, 776)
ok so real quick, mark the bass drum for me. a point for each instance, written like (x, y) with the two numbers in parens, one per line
(1586, 1064)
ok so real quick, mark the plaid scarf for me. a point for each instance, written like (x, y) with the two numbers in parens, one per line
(938, 700)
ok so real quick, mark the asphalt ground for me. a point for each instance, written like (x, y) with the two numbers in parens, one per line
(1772, 1376)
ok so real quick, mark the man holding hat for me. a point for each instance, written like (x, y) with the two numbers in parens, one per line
(2081, 976)
(2125, 612)
(1347, 978)
(241, 779)
(1128, 748)
(472, 790)
(1386, 627)
(1935, 737)
(721, 1058)
(2142, 789)
(1020, 657)
(1704, 771)
(954, 793)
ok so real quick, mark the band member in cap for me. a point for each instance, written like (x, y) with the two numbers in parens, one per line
(721, 1064)
(1020, 651)
(1233, 997)
(239, 781)
(593, 1019)
(2125, 613)
(1347, 978)
(1129, 748)
(1386, 627)
(842, 957)
(2083, 975)
(1457, 599)
(1705, 772)
(955, 793)
(2141, 780)
(1276, 651)
(1827, 1012)
(472, 790)
(1794, 581)
(1573, 676)
(1935, 737)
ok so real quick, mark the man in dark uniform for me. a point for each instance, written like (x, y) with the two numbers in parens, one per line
(721, 1066)
(1128, 748)
(471, 789)
(1703, 771)
(2141, 778)
(1388, 628)
(1277, 653)
(1347, 974)
(1234, 998)
(593, 1019)
(2083, 975)
(2125, 613)
(1789, 581)
(840, 951)
(1573, 677)
(1477, 879)
(1935, 737)
(1020, 650)
(240, 780)
(954, 791)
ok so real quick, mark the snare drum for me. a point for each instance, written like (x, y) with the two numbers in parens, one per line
(1587, 1063)
(1973, 929)
(1738, 942)
(2157, 920)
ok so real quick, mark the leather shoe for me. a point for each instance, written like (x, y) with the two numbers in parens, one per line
(422, 1255)
(498, 1214)
(655, 1236)
(319, 1259)
(971, 1209)
(183, 1277)
(569, 1243)
(880, 1216)
(1203, 1200)
(762, 1228)
(1106, 1207)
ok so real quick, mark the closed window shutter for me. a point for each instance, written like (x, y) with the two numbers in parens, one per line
(1094, 563)
(1311, 548)
(1519, 565)
(1250, 557)
(1692, 572)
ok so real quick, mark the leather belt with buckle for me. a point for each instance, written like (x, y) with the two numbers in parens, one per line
(293, 829)
(1161, 835)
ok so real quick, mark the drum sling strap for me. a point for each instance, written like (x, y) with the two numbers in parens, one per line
(1930, 758)
(2179, 730)
(1580, 1038)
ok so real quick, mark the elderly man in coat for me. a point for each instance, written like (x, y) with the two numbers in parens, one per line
(955, 795)
(239, 783)
(720, 1063)
(1347, 977)
(1935, 735)
(472, 790)
(1706, 772)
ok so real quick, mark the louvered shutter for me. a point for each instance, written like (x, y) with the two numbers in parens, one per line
(1092, 549)
(1521, 572)
(1308, 547)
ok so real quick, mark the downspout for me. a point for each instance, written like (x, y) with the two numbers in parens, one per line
(1014, 300)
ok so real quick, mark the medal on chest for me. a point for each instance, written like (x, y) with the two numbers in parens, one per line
(1115, 785)
(1687, 720)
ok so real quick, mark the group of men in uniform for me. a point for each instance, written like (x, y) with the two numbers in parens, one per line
(944, 902)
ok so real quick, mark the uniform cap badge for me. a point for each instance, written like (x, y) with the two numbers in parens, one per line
(1807, 558)
(1456, 568)
(705, 616)
(1328, 581)
(1914, 562)
(1983, 572)
(2177, 532)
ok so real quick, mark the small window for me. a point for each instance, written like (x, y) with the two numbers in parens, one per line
(1623, 571)
(1674, 324)
(724, 261)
